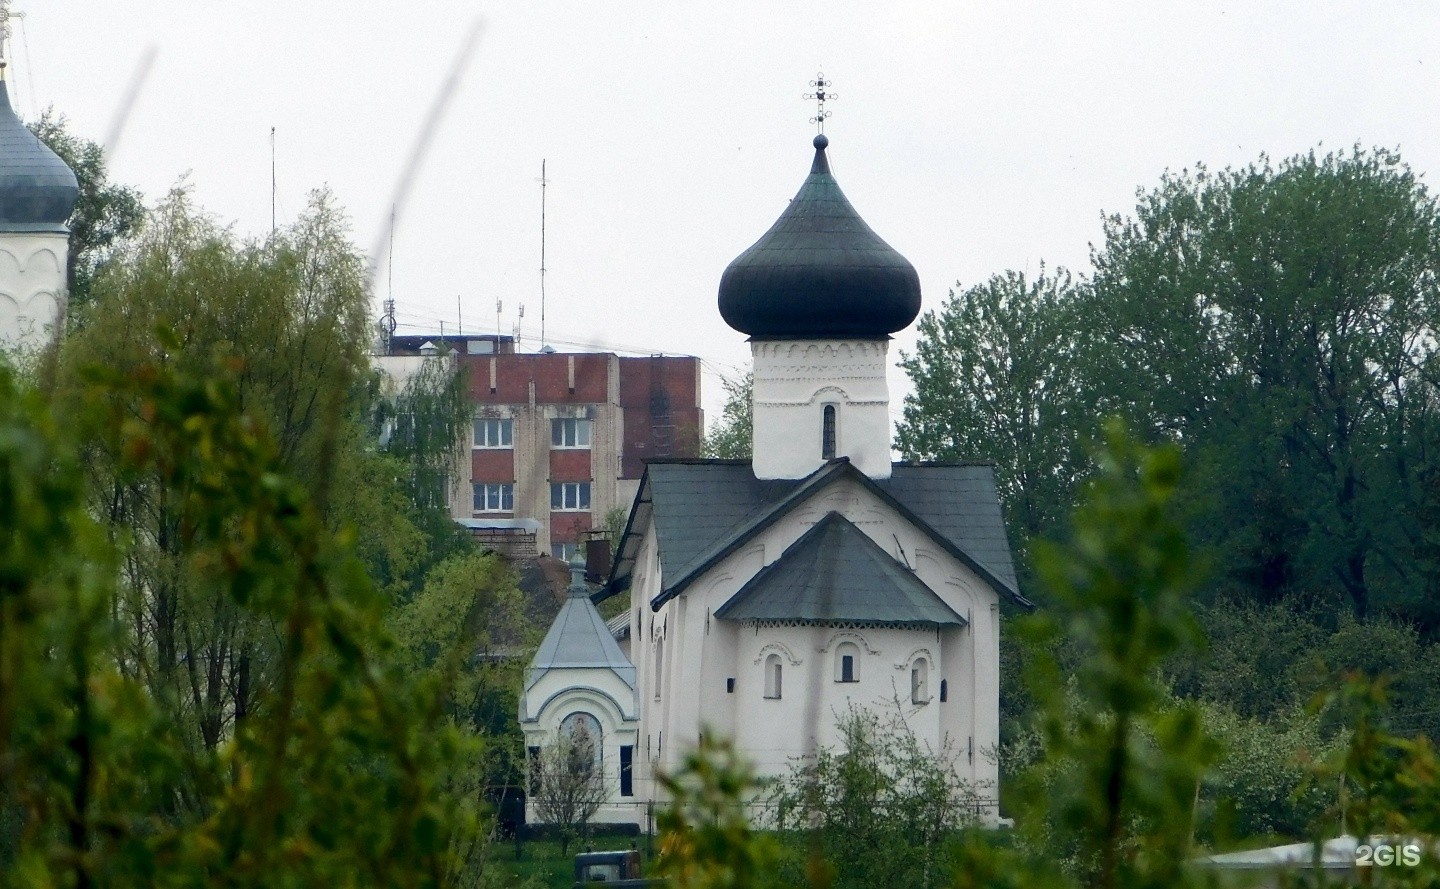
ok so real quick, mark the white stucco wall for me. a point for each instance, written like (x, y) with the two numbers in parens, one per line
(697, 653)
(32, 288)
(795, 380)
(600, 693)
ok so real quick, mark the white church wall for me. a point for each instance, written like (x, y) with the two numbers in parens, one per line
(795, 380)
(581, 695)
(697, 653)
(32, 288)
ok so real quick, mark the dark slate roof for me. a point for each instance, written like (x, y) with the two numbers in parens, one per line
(820, 272)
(37, 190)
(836, 574)
(579, 638)
(703, 510)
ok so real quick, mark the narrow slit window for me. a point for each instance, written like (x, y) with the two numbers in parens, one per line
(772, 676)
(919, 681)
(847, 662)
(827, 434)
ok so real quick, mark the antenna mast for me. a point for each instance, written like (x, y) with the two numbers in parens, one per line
(272, 181)
(543, 182)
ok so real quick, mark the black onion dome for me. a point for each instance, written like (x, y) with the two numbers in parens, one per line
(820, 272)
(37, 190)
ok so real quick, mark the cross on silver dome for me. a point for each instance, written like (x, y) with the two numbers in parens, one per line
(821, 95)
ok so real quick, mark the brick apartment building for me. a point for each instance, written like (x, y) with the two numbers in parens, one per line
(559, 438)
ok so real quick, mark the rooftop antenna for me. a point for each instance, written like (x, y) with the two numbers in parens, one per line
(518, 323)
(543, 182)
(498, 307)
(390, 261)
(821, 95)
(459, 319)
(272, 182)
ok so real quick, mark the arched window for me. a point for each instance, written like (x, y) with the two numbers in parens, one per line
(919, 681)
(847, 662)
(944, 691)
(659, 665)
(772, 676)
(582, 732)
(827, 434)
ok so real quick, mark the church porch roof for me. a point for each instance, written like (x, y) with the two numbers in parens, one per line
(836, 574)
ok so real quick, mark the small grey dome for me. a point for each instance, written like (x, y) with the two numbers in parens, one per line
(37, 191)
(820, 272)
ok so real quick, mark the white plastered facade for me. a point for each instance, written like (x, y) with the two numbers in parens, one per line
(795, 380)
(32, 288)
(686, 658)
(596, 691)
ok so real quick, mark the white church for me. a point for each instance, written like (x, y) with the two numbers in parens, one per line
(769, 596)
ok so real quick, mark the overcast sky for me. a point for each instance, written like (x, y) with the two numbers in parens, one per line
(974, 137)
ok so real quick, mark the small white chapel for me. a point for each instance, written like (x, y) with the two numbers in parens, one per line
(768, 596)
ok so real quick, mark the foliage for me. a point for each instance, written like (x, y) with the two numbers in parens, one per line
(105, 215)
(1278, 322)
(465, 627)
(730, 438)
(996, 376)
(882, 808)
(1284, 318)
(706, 839)
(422, 424)
(567, 782)
(330, 775)
(287, 321)
(1117, 784)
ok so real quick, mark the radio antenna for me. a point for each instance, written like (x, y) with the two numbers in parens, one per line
(543, 182)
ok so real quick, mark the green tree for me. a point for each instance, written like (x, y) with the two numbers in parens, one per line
(730, 438)
(288, 319)
(333, 775)
(881, 808)
(997, 376)
(1121, 771)
(1280, 321)
(106, 214)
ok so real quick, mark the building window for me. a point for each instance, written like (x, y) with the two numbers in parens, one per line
(494, 497)
(944, 691)
(919, 682)
(627, 780)
(569, 433)
(494, 433)
(772, 676)
(570, 495)
(659, 665)
(847, 661)
(565, 551)
(827, 434)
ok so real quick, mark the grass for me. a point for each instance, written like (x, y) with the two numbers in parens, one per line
(541, 864)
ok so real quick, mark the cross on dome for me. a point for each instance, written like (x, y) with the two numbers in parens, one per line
(6, 31)
(821, 95)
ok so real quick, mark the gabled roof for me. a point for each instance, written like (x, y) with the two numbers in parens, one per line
(836, 574)
(703, 510)
(579, 638)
